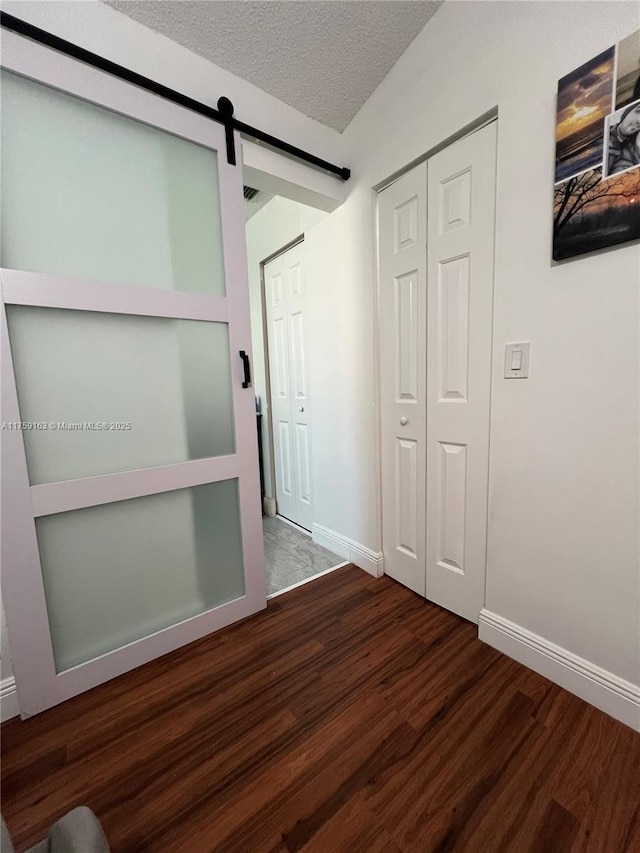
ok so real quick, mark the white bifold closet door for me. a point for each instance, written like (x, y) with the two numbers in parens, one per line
(402, 235)
(436, 249)
(285, 296)
(130, 489)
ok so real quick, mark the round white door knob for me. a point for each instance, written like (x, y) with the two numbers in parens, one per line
(404, 421)
(301, 408)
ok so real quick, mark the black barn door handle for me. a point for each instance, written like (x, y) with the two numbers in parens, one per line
(247, 369)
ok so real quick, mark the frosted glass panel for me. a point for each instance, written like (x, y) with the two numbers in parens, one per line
(118, 572)
(90, 194)
(161, 386)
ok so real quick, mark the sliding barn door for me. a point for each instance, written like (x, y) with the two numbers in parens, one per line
(130, 492)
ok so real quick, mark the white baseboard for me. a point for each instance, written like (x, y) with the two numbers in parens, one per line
(361, 556)
(9, 705)
(606, 691)
(269, 506)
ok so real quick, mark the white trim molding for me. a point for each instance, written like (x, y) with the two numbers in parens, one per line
(9, 705)
(361, 556)
(601, 688)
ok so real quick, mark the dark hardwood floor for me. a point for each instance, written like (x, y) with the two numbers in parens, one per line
(350, 716)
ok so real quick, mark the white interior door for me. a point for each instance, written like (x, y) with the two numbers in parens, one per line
(130, 491)
(285, 297)
(436, 248)
(402, 234)
(461, 204)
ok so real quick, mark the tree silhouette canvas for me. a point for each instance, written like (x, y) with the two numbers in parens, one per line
(590, 213)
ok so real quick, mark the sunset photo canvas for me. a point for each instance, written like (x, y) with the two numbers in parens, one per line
(584, 100)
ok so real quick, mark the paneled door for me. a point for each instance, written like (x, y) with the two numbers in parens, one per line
(402, 234)
(436, 248)
(130, 488)
(285, 298)
(461, 204)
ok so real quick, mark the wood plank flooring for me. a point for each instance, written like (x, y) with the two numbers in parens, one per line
(350, 716)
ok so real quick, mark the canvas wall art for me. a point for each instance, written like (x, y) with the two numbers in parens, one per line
(597, 178)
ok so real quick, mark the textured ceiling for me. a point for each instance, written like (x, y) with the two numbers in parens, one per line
(323, 58)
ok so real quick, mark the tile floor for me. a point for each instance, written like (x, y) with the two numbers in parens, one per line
(291, 556)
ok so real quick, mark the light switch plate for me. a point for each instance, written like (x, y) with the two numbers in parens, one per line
(516, 360)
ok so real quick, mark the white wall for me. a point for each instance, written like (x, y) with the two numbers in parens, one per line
(340, 267)
(272, 227)
(563, 528)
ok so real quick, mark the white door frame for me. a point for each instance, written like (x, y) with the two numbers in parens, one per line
(39, 685)
(469, 129)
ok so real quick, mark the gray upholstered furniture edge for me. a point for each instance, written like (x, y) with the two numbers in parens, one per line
(79, 831)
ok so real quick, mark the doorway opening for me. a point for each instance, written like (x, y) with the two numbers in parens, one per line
(283, 296)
